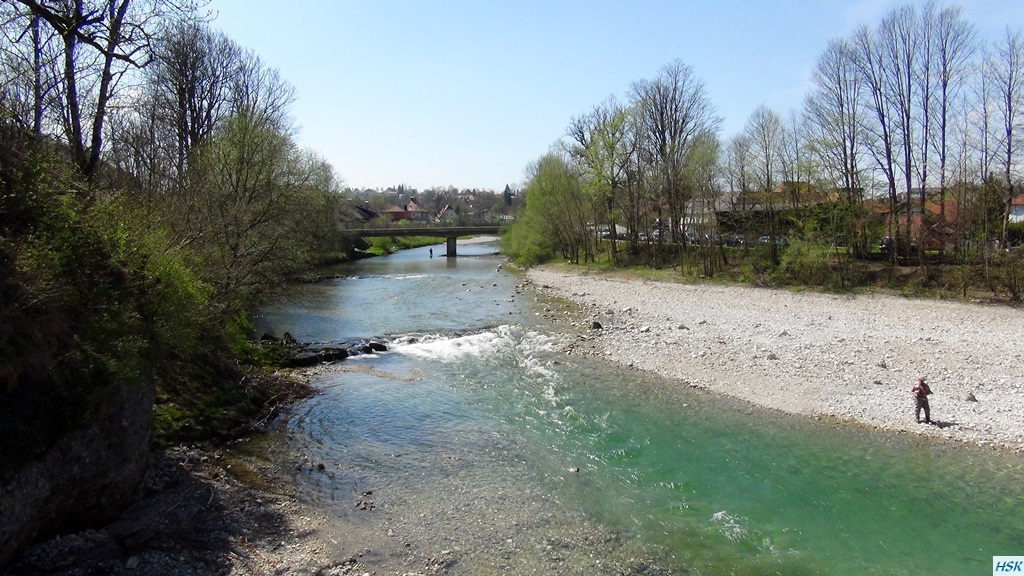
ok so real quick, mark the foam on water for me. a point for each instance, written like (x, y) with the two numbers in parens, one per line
(726, 489)
(447, 348)
(498, 341)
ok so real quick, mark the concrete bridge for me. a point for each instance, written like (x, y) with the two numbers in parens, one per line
(451, 233)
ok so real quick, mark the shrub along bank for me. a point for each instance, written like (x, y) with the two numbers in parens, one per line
(119, 328)
(995, 275)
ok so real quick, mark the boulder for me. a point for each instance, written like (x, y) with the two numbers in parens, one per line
(85, 478)
(311, 357)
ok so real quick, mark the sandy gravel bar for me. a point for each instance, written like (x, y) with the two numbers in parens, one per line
(821, 355)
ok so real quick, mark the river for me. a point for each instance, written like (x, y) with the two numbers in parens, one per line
(485, 447)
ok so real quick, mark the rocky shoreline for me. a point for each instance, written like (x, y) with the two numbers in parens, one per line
(852, 358)
(227, 509)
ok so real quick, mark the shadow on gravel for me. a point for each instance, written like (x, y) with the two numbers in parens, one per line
(189, 517)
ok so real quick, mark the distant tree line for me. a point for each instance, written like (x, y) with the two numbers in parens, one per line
(912, 130)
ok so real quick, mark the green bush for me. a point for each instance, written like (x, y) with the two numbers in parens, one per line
(95, 298)
(804, 263)
(527, 242)
(745, 273)
(1015, 234)
(381, 246)
(174, 302)
(72, 331)
(1011, 273)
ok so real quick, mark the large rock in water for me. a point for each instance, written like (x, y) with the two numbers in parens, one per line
(84, 479)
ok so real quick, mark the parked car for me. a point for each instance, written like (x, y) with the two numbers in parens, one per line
(897, 244)
(620, 233)
(779, 240)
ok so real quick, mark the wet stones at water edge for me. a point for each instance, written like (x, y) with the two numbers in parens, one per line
(364, 502)
(372, 347)
(292, 354)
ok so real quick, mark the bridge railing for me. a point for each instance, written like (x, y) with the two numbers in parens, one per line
(411, 224)
(414, 230)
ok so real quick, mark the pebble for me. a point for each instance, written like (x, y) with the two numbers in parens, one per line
(856, 360)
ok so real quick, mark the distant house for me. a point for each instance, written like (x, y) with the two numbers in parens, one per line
(363, 214)
(1017, 209)
(788, 194)
(447, 214)
(931, 222)
(743, 212)
(396, 213)
(412, 212)
(354, 218)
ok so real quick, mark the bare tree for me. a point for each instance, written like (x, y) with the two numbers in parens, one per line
(792, 161)
(765, 133)
(138, 148)
(899, 42)
(672, 109)
(737, 171)
(637, 194)
(980, 118)
(28, 78)
(833, 117)
(259, 90)
(954, 45)
(102, 41)
(1006, 67)
(924, 76)
(191, 82)
(877, 125)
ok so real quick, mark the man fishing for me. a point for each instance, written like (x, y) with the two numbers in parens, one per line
(920, 392)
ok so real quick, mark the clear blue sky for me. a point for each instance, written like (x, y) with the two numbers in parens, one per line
(468, 92)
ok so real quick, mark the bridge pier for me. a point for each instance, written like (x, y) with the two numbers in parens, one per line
(450, 233)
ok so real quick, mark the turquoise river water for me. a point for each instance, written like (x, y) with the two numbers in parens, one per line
(479, 435)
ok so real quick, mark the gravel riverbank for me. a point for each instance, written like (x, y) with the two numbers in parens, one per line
(235, 511)
(852, 358)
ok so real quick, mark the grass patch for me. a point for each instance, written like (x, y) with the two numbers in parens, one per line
(808, 266)
(384, 245)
